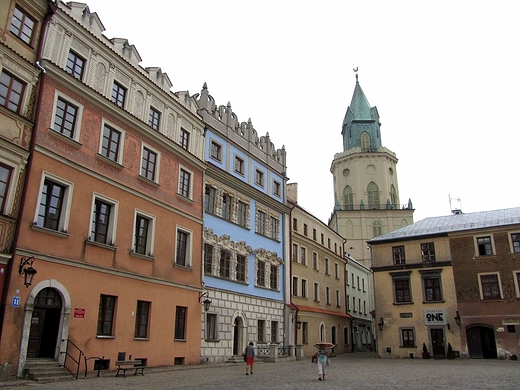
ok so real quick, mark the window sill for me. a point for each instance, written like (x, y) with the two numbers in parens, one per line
(408, 347)
(184, 267)
(403, 303)
(212, 341)
(111, 162)
(493, 300)
(180, 340)
(104, 337)
(141, 339)
(184, 198)
(146, 180)
(100, 245)
(71, 141)
(427, 302)
(50, 231)
(144, 257)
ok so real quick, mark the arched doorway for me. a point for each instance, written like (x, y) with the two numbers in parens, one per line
(333, 337)
(45, 324)
(481, 342)
(237, 336)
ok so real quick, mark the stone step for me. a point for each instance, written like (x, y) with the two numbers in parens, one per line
(45, 370)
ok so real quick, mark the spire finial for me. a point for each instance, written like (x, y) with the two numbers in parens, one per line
(355, 71)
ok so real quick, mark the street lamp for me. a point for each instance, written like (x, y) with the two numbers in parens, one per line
(298, 322)
(29, 271)
(206, 302)
(457, 318)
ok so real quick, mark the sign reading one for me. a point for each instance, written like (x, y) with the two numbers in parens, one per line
(434, 317)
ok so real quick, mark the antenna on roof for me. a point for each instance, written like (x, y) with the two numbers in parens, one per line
(455, 211)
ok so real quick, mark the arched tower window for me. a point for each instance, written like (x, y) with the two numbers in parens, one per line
(393, 196)
(365, 142)
(373, 195)
(348, 198)
(377, 229)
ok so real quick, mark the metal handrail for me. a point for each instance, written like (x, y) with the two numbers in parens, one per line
(78, 361)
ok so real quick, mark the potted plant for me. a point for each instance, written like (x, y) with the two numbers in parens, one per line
(425, 353)
(451, 354)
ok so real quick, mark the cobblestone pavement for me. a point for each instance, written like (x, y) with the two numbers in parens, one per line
(353, 371)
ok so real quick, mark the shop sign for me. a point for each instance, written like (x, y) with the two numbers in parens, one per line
(79, 313)
(434, 317)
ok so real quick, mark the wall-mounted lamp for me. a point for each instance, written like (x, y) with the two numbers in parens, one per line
(457, 318)
(381, 323)
(296, 319)
(29, 271)
(206, 302)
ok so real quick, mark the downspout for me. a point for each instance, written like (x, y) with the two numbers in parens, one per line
(51, 8)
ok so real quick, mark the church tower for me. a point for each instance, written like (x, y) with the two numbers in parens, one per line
(366, 190)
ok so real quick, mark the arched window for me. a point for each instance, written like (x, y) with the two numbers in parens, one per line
(373, 195)
(322, 332)
(377, 229)
(348, 198)
(393, 196)
(365, 143)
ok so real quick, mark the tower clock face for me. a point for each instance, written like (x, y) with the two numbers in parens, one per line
(346, 172)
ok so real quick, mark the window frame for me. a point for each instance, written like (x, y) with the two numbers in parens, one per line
(399, 254)
(142, 320)
(185, 187)
(259, 177)
(75, 65)
(120, 143)
(215, 150)
(63, 220)
(211, 333)
(428, 252)
(154, 118)
(304, 287)
(145, 171)
(429, 275)
(516, 278)
(184, 139)
(209, 258)
(481, 286)
(277, 187)
(119, 94)
(514, 242)
(103, 312)
(112, 220)
(186, 252)
(20, 31)
(238, 165)
(483, 249)
(6, 188)
(398, 277)
(150, 236)
(260, 329)
(78, 117)
(409, 331)
(9, 104)
(180, 330)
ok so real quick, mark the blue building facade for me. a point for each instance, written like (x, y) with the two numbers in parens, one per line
(245, 234)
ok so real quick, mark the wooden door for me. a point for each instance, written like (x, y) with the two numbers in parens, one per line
(437, 337)
(35, 334)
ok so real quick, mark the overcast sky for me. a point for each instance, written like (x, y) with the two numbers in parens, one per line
(444, 75)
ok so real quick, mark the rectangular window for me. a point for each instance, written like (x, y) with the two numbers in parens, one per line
(65, 118)
(407, 338)
(316, 292)
(363, 283)
(11, 92)
(314, 234)
(295, 224)
(260, 273)
(184, 139)
(402, 291)
(242, 214)
(23, 25)
(239, 165)
(322, 239)
(259, 178)
(102, 222)
(336, 270)
(303, 256)
(337, 299)
(511, 329)
(354, 304)
(304, 288)
(305, 332)
(517, 283)
(305, 229)
(432, 289)
(358, 284)
(428, 252)
(484, 246)
(260, 222)
(515, 239)
(327, 295)
(216, 151)
(111, 143)
(180, 322)
(51, 205)
(141, 319)
(209, 199)
(211, 327)
(107, 306)
(314, 260)
(149, 164)
(295, 253)
(208, 259)
(154, 118)
(295, 286)
(143, 235)
(118, 94)
(261, 330)
(398, 254)
(327, 267)
(5, 180)
(241, 268)
(226, 207)
(490, 287)
(274, 331)
(273, 277)
(75, 65)
(274, 228)
(182, 257)
(225, 264)
(277, 188)
(185, 183)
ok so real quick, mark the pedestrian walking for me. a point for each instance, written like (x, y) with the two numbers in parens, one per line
(322, 362)
(249, 357)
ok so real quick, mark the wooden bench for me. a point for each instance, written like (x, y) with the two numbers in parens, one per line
(138, 365)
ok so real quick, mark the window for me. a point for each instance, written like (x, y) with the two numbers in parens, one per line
(274, 228)
(347, 301)
(432, 288)
(103, 221)
(314, 234)
(118, 94)
(428, 252)
(354, 304)
(209, 199)
(322, 239)
(373, 195)
(337, 299)
(239, 165)
(143, 234)
(295, 253)
(295, 286)
(75, 65)
(515, 239)
(305, 229)
(377, 229)
(11, 92)
(154, 118)
(303, 256)
(111, 143)
(261, 330)
(65, 118)
(22, 25)
(316, 292)
(274, 331)
(242, 214)
(273, 277)
(107, 305)
(185, 139)
(208, 259)
(295, 224)
(53, 205)
(241, 268)
(149, 164)
(183, 251)
(407, 337)
(336, 270)
(314, 260)
(363, 283)
(5, 179)
(516, 275)
(358, 284)
(327, 295)
(225, 264)
(304, 288)
(402, 293)
(490, 288)
(211, 327)
(327, 267)
(353, 281)
(180, 322)
(511, 329)
(184, 183)
(226, 207)
(260, 222)
(216, 151)
(141, 319)
(277, 188)
(305, 332)
(484, 246)
(398, 255)
(260, 273)
(259, 178)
